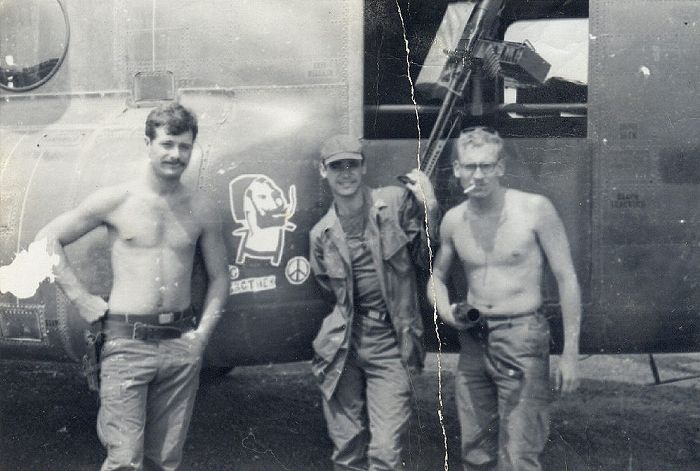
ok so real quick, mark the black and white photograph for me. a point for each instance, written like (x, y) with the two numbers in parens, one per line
(349, 235)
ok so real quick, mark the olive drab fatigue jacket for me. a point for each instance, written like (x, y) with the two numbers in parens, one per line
(397, 239)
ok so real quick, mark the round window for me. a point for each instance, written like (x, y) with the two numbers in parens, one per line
(33, 42)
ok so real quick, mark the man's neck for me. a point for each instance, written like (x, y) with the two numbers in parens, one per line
(490, 204)
(162, 186)
(349, 205)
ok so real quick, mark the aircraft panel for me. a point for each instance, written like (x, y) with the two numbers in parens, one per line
(22, 323)
(265, 141)
(269, 80)
(643, 113)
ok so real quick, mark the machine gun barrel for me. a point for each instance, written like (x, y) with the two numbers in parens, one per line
(468, 315)
(481, 20)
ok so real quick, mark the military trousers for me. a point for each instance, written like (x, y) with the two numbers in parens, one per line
(369, 412)
(503, 395)
(147, 394)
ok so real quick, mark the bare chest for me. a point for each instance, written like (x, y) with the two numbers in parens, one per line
(145, 223)
(505, 241)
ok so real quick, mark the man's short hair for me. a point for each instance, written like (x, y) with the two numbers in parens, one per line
(176, 118)
(479, 136)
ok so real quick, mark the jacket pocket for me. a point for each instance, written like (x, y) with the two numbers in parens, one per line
(335, 267)
(335, 272)
(330, 338)
(394, 248)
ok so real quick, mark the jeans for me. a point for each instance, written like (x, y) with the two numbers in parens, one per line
(147, 395)
(503, 395)
(369, 413)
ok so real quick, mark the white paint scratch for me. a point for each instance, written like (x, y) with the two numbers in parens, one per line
(20, 223)
(430, 251)
(408, 75)
(29, 268)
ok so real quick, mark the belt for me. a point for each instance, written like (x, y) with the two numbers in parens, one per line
(141, 331)
(372, 314)
(152, 319)
(161, 326)
(508, 317)
(505, 322)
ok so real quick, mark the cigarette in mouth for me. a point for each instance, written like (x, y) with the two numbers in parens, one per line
(468, 189)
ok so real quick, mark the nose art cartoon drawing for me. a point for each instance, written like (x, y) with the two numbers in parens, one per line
(260, 206)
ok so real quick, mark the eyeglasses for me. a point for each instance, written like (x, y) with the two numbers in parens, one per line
(345, 164)
(486, 168)
(479, 135)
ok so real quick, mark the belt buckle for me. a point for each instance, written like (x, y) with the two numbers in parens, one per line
(139, 331)
(166, 317)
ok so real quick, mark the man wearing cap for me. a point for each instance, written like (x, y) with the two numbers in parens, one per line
(501, 238)
(154, 346)
(362, 251)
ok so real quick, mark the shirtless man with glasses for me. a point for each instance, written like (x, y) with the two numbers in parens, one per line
(501, 237)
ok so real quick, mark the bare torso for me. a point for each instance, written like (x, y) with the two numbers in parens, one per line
(500, 255)
(153, 238)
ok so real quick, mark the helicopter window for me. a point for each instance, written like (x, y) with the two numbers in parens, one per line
(427, 28)
(30, 55)
(557, 106)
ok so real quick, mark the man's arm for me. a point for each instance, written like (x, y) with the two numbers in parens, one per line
(415, 212)
(424, 192)
(318, 264)
(437, 284)
(552, 237)
(69, 227)
(214, 253)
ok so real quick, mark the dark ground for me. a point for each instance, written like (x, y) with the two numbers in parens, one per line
(268, 418)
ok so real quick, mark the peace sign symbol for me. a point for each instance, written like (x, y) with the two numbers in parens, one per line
(297, 270)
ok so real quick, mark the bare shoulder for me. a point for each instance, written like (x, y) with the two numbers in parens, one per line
(105, 200)
(452, 218)
(532, 203)
(96, 209)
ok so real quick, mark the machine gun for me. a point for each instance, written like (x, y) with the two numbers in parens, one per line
(459, 70)
(470, 316)
(518, 63)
